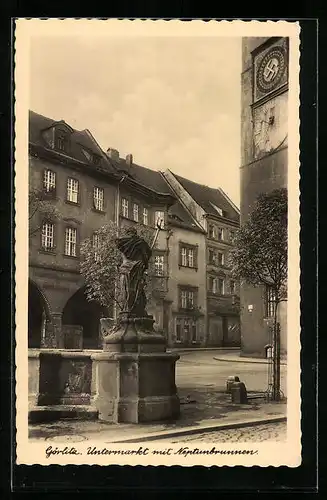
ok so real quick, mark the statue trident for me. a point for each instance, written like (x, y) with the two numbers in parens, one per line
(159, 226)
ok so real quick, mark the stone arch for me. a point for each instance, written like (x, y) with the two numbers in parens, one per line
(80, 312)
(39, 313)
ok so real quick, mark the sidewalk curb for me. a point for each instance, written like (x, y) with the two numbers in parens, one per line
(233, 360)
(201, 349)
(207, 428)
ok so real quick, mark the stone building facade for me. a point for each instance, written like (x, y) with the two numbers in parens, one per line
(194, 302)
(179, 305)
(83, 184)
(264, 157)
(217, 218)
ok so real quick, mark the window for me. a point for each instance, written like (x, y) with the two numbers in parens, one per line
(216, 258)
(178, 331)
(88, 155)
(47, 236)
(135, 212)
(70, 241)
(187, 299)
(96, 243)
(190, 257)
(61, 141)
(72, 190)
(184, 299)
(212, 231)
(98, 198)
(184, 256)
(217, 285)
(270, 302)
(145, 216)
(159, 218)
(231, 235)
(187, 325)
(221, 286)
(218, 209)
(220, 258)
(220, 233)
(232, 287)
(193, 331)
(159, 265)
(124, 205)
(187, 256)
(185, 330)
(96, 159)
(49, 181)
(212, 285)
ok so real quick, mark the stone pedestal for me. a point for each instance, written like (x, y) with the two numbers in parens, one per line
(133, 380)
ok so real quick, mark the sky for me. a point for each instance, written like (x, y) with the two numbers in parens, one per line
(172, 102)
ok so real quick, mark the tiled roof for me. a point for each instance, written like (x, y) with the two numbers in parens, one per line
(79, 139)
(152, 179)
(205, 196)
(179, 216)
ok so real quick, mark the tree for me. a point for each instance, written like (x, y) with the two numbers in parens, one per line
(40, 209)
(259, 256)
(100, 261)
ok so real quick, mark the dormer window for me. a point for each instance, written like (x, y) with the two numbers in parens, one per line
(218, 209)
(57, 136)
(91, 157)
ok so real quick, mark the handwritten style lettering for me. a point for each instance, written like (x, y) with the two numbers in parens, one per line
(105, 451)
(186, 451)
(61, 451)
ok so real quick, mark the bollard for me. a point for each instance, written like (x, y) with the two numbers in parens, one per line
(229, 382)
(269, 351)
(239, 393)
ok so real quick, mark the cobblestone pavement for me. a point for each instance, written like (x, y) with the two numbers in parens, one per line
(259, 433)
(201, 383)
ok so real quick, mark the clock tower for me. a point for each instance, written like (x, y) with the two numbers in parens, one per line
(264, 141)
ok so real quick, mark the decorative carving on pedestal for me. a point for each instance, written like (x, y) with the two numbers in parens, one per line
(134, 378)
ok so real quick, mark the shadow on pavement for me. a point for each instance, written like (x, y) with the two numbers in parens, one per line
(197, 405)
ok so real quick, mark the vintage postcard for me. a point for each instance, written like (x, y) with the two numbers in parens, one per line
(157, 242)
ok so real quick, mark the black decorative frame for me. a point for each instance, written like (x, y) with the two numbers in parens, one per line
(162, 480)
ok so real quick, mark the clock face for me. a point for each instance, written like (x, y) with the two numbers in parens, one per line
(270, 126)
(271, 69)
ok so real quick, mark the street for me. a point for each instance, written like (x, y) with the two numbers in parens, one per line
(201, 386)
(199, 369)
(256, 433)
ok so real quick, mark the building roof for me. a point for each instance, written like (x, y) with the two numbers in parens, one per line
(209, 198)
(79, 140)
(154, 180)
(180, 217)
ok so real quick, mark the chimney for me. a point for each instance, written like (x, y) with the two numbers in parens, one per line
(129, 160)
(113, 154)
